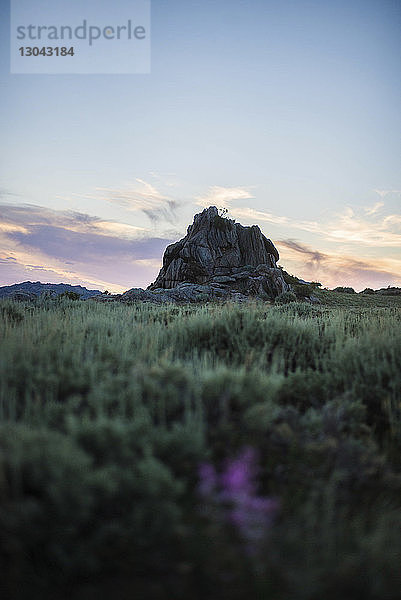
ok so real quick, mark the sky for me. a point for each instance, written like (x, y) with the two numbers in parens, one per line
(285, 112)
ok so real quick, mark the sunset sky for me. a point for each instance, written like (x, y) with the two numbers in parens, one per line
(285, 112)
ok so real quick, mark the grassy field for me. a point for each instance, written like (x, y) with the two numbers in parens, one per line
(203, 452)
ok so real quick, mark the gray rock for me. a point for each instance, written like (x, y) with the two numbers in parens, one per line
(223, 279)
(183, 293)
(139, 294)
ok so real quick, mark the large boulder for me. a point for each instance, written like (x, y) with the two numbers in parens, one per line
(225, 257)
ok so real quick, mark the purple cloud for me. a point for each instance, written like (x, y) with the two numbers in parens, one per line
(76, 246)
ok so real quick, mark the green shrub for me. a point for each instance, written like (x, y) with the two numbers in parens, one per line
(304, 389)
(221, 223)
(45, 503)
(81, 502)
(285, 298)
(107, 411)
(344, 290)
(70, 295)
(290, 279)
(11, 312)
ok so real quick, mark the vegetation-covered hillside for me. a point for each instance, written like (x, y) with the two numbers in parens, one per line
(216, 451)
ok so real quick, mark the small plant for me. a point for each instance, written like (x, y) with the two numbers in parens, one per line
(70, 295)
(290, 279)
(285, 298)
(12, 313)
(221, 222)
(344, 290)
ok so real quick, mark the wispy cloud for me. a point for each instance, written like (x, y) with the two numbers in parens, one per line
(368, 239)
(144, 197)
(18, 217)
(313, 257)
(251, 214)
(384, 193)
(222, 197)
(6, 193)
(11, 227)
(346, 227)
(383, 232)
(333, 268)
(371, 210)
(76, 247)
(13, 271)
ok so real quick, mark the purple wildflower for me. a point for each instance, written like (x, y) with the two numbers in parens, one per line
(233, 493)
(238, 478)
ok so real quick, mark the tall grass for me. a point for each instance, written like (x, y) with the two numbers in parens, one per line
(107, 411)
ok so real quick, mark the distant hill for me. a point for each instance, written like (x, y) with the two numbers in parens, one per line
(37, 288)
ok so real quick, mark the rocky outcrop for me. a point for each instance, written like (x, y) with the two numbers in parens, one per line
(183, 293)
(260, 282)
(223, 257)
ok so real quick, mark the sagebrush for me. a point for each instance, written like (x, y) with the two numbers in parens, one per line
(108, 412)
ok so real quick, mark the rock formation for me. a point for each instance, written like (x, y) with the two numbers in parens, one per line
(218, 258)
(214, 246)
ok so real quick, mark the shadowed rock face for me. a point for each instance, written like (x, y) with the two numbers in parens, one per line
(224, 255)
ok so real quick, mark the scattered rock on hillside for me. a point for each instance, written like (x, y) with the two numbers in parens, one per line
(183, 292)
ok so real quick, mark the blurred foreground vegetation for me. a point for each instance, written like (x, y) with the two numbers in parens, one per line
(109, 413)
